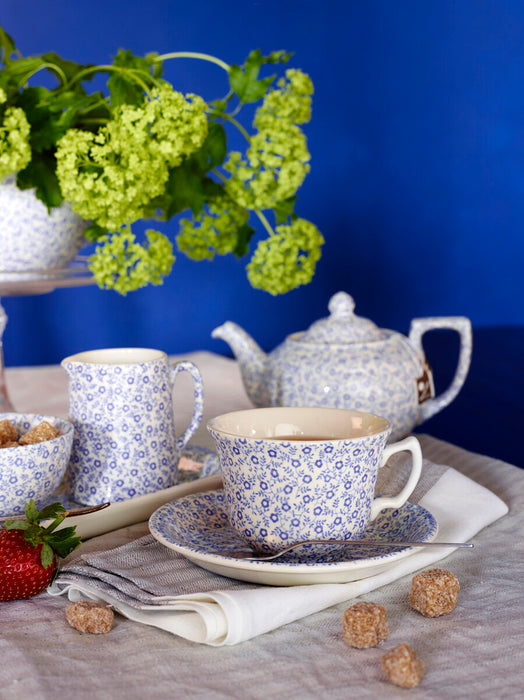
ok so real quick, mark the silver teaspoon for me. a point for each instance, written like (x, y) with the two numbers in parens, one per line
(68, 513)
(268, 556)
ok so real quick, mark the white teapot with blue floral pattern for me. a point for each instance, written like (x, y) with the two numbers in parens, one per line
(346, 361)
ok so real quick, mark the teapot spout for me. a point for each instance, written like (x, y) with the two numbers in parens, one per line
(252, 360)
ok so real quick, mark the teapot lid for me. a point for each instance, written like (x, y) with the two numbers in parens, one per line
(342, 326)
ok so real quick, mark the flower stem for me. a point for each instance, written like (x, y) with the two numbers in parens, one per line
(194, 54)
(107, 68)
(46, 66)
(238, 125)
(265, 222)
(260, 215)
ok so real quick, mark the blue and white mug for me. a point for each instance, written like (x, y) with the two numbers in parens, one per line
(120, 403)
(293, 474)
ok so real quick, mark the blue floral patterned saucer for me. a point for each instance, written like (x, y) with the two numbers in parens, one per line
(198, 527)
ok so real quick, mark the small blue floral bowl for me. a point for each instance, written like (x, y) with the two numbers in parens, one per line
(33, 471)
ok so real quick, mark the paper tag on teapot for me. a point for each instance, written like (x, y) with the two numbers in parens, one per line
(425, 385)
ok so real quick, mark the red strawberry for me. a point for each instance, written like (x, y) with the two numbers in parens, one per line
(29, 552)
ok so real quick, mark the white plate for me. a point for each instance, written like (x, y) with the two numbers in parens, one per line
(197, 525)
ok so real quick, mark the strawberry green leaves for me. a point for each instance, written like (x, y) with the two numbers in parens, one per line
(60, 543)
(29, 551)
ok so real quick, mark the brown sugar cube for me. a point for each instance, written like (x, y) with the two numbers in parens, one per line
(39, 433)
(434, 592)
(365, 625)
(89, 616)
(8, 432)
(402, 666)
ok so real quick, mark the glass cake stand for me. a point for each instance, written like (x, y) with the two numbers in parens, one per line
(30, 282)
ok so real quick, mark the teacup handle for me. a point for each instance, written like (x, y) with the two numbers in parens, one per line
(198, 399)
(409, 444)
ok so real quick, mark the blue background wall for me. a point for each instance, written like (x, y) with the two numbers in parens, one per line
(417, 179)
(417, 183)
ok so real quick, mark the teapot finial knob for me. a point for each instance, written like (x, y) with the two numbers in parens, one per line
(342, 325)
(341, 304)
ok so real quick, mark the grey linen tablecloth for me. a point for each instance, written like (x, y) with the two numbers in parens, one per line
(150, 583)
(477, 651)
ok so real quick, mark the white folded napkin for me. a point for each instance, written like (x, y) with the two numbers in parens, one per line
(149, 583)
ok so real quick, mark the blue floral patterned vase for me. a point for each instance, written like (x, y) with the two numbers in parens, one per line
(34, 238)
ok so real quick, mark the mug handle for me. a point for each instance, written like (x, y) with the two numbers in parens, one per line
(409, 444)
(198, 399)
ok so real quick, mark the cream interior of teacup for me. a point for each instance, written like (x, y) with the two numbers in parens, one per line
(300, 423)
(117, 356)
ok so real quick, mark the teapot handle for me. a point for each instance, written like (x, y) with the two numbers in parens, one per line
(462, 326)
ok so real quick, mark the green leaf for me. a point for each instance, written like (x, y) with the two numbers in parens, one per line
(52, 511)
(214, 149)
(125, 85)
(244, 235)
(63, 541)
(284, 209)
(7, 47)
(41, 174)
(46, 555)
(279, 56)
(244, 79)
(67, 71)
(123, 91)
(218, 107)
(31, 511)
(16, 73)
(23, 68)
(247, 86)
(94, 232)
(16, 524)
(49, 115)
(127, 59)
(50, 130)
(186, 188)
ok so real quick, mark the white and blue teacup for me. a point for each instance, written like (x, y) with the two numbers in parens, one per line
(120, 403)
(293, 474)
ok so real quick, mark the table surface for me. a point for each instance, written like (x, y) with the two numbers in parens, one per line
(477, 651)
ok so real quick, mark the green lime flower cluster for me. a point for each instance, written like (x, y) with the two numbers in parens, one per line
(213, 230)
(123, 264)
(146, 151)
(268, 177)
(286, 260)
(277, 160)
(112, 176)
(15, 151)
